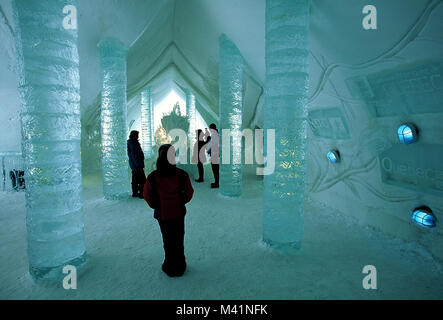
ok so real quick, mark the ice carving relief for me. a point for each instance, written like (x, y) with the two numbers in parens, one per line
(417, 167)
(411, 89)
(328, 123)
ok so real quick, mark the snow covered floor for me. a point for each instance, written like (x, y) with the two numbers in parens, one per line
(225, 257)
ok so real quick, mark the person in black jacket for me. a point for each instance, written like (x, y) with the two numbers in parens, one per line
(137, 164)
(167, 190)
(199, 155)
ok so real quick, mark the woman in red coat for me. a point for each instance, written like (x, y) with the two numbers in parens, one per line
(167, 190)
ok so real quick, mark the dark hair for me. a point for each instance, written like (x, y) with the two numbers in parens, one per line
(199, 132)
(164, 166)
(133, 135)
(213, 126)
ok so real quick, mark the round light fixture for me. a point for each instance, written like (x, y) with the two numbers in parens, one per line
(333, 156)
(407, 133)
(424, 217)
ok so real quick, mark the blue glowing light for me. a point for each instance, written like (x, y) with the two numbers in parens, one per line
(423, 217)
(333, 156)
(407, 134)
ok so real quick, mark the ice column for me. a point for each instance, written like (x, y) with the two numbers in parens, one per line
(113, 119)
(49, 85)
(286, 89)
(147, 122)
(230, 109)
(190, 112)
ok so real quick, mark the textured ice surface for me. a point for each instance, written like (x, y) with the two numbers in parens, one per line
(147, 122)
(231, 105)
(91, 148)
(113, 119)
(286, 111)
(50, 117)
(190, 112)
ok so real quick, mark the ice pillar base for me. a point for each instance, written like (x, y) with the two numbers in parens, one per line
(292, 248)
(52, 274)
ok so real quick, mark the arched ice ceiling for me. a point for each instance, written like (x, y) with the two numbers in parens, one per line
(177, 41)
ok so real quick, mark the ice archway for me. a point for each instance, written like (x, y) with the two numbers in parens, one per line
(162, 105)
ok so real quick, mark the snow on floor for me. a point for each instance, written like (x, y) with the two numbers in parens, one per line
(226, 259)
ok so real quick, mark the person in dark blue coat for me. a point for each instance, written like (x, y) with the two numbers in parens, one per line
(137, 164)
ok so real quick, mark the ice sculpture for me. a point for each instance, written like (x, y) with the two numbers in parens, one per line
(231, 104)
(287, 30)
(190, 112)
(49, 87)
(113, 119)
(147, 122)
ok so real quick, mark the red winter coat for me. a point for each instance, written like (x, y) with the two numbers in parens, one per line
(166, 199)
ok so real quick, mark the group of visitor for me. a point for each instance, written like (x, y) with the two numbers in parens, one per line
(207, 143)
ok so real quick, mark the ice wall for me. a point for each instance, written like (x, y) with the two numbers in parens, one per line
(363, 87)
(113, 119)
(230, 112)
(147, 122)
(50, 117)
(285, 111)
